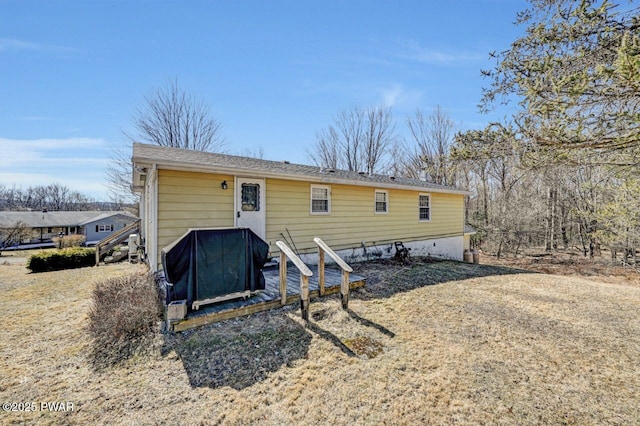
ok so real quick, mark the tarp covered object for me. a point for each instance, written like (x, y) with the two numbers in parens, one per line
(207, 263)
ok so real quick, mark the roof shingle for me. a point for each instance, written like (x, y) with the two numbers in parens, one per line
(175, 157)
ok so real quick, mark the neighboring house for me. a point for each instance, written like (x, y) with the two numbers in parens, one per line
(94, 225)
(105, 224)
(354, 213)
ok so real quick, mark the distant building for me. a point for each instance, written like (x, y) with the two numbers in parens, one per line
(94, 225)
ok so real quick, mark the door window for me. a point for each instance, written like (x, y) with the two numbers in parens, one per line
(250, 197)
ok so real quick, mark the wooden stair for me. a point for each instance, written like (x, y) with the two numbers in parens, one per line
(114, 239)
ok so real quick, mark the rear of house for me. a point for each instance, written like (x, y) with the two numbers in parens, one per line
(358, 215)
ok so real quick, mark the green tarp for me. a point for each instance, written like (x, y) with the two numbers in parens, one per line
(208, 263)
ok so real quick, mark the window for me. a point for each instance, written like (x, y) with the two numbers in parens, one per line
(425, 207)
(320, 199)
(104, 228)
(382, 201)
(250, 197)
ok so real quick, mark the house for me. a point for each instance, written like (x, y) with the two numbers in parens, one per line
(94, 225)
(356, 214)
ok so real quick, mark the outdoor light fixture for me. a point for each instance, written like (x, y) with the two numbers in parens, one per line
(224, 185)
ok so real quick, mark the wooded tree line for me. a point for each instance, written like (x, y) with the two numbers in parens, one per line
(524, 194)
(53, 197)
(575, 74)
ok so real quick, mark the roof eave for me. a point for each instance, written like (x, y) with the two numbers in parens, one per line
(239, 171)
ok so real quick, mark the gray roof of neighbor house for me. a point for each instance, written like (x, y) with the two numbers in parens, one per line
(41, 219)
(183, 159)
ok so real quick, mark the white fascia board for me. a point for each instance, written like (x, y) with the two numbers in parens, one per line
(239, 172)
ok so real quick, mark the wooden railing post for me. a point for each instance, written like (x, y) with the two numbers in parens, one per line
(283, 278)
(346, 270)
(344, 289)
(304, 297)
(321, 271)
(305, 273)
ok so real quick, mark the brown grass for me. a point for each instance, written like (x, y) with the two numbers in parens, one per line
(430, 343)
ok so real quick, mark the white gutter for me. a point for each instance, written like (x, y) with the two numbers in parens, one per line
(240, 172)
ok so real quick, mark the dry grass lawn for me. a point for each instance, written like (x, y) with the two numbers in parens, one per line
(432, 343)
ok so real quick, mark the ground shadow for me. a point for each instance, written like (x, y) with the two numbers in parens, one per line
(386, 277)
(369, 323)
(240, 352)
(330, 337)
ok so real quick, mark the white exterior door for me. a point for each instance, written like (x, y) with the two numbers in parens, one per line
(250, 205)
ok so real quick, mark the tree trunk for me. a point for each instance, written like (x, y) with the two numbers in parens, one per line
(485, 200)
(550, 242)
(563, 224)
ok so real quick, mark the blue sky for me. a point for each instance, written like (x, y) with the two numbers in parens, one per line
(273, 72)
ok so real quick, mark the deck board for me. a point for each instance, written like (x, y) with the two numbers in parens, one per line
(268, 298)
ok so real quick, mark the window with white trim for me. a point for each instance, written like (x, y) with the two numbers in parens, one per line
(382, 201)
(425, 207)
(320, 199)
(104, 228)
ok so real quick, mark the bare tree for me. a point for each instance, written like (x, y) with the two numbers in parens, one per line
(118, 173)
(327, 148)
(167, 117)
(13, 236)
(357, 141)
(171, 117)
(433, 136)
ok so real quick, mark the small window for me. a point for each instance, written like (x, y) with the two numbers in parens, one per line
(320, 199)
(382, 201)
(250, 197)
(105, 228)
(425, 207)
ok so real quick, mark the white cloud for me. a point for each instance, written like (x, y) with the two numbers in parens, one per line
(42, 152)
(413, 51)
(9, 44)
(78, 163)
(396, 95)
(91, 186)
(51, 144)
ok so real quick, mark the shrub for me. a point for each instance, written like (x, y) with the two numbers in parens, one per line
(124, 318)
(68, 258)
(69, 241)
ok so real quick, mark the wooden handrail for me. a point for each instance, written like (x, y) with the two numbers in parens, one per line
(304, 269)
(305, 273)
(346, 270)
(332, 254)
(119, 232)
(114, 239)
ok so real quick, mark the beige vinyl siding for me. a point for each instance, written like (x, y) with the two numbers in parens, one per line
(192, 200)
(353, 218)
(196, 200)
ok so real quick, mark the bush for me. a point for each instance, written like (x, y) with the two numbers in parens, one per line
(68, 258)
(124, 318)
(69, 241)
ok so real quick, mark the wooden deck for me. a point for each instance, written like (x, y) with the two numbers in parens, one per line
(268, 298)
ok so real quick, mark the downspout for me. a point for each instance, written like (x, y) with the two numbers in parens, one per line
(154, 209)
